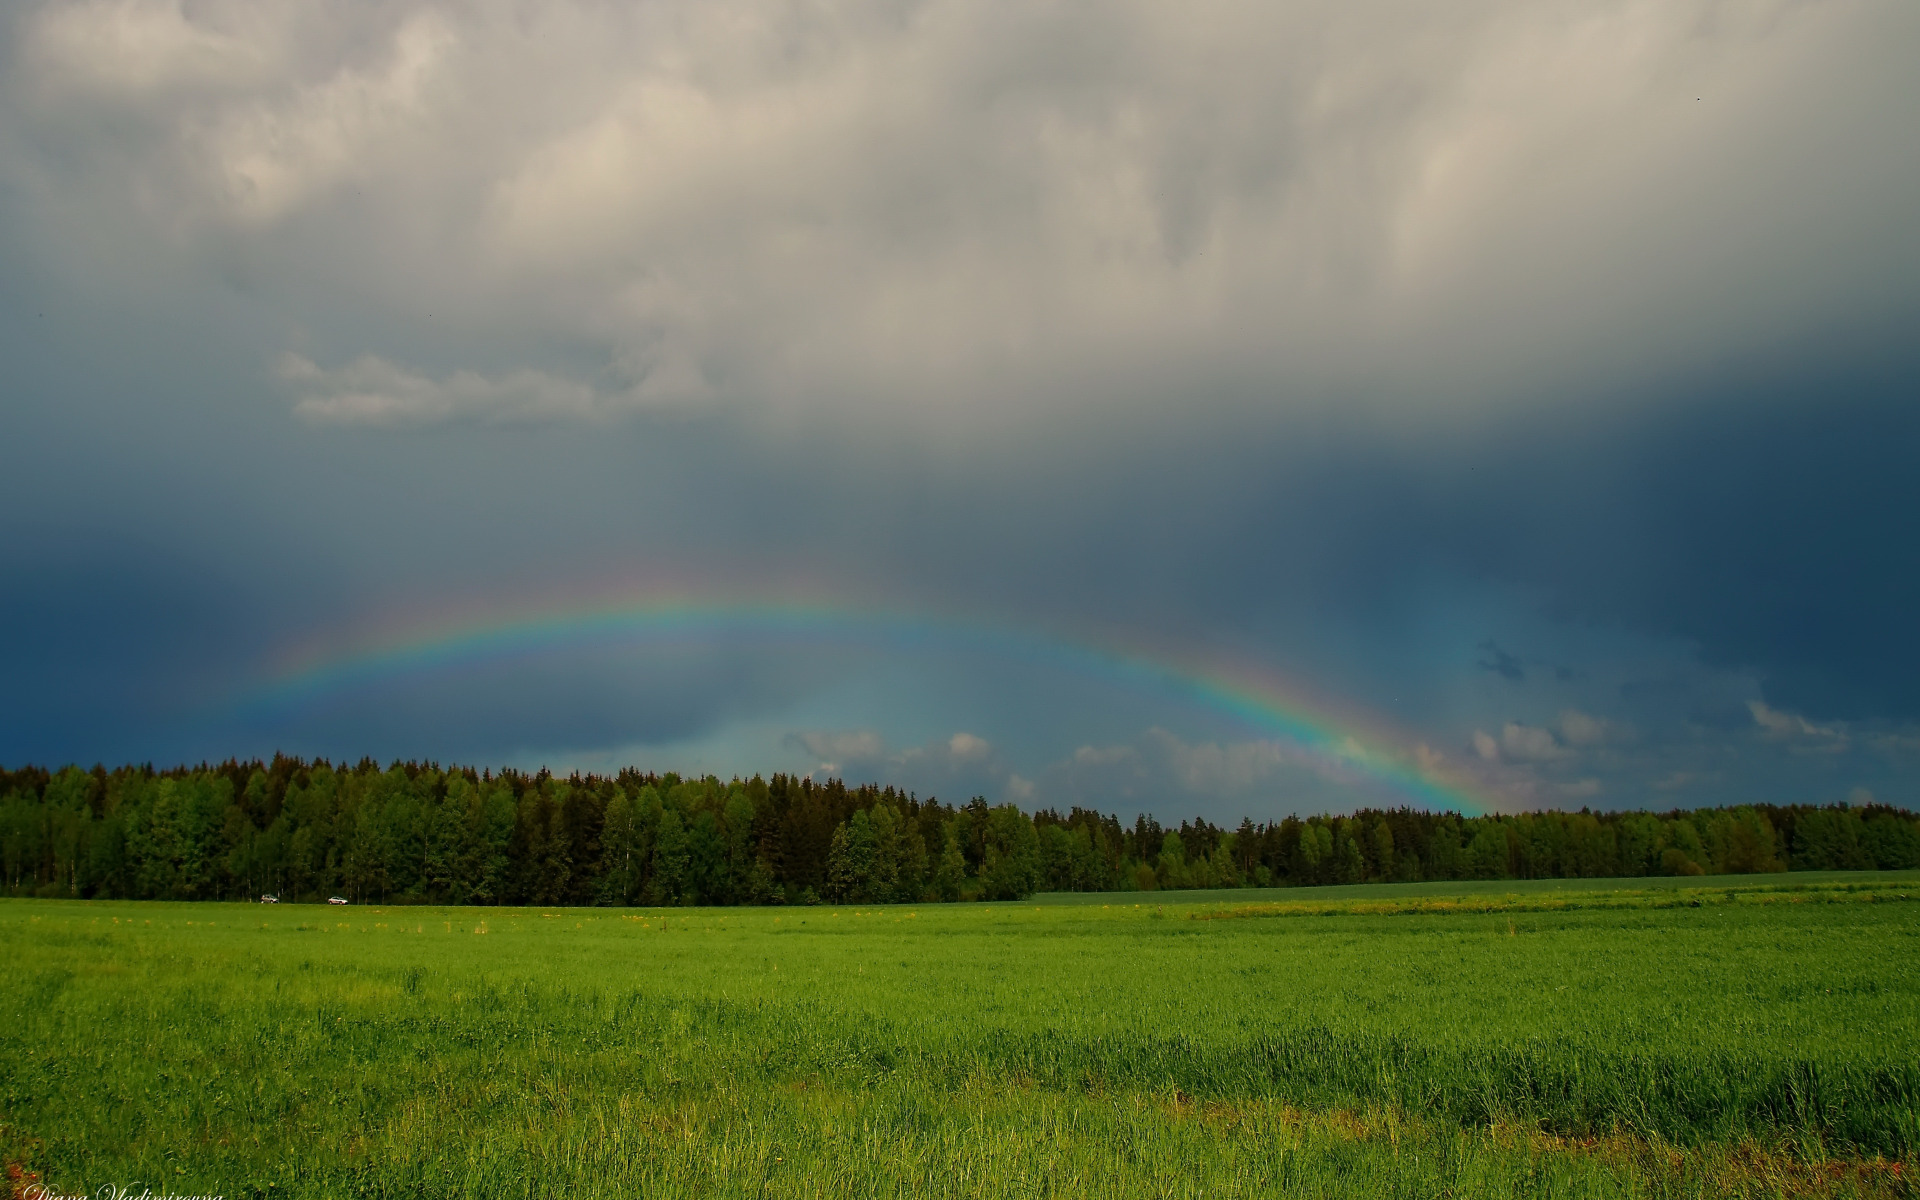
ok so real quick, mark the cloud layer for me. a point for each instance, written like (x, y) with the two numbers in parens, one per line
(982, 209)
(1533, 380)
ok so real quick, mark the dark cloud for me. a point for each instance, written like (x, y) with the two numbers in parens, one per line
(1407, 358)
(109, 645)
(1501, 663)
(540, 706)
(1779, 530)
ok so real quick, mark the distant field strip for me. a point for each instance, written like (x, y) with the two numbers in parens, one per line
(1527, 1045)
(1748, 895)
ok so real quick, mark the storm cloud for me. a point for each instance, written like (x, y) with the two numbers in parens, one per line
(1537, 378)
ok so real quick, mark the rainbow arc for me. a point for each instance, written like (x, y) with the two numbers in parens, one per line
(1337, 740)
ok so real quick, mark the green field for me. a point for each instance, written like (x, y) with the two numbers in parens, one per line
(1757, 1037)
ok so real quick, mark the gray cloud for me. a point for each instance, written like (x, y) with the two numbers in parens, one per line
(1786, 724)
(1160, 771)
(371, 391)
(1571, 341)
(1501, 663)
(537, 708)
(855, 746)
(1585, 729)
(1526, 743)
(973, 210)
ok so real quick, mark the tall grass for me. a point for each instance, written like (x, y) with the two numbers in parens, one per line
(1093, 1049)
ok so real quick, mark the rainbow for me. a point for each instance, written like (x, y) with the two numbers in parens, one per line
(1338, 741)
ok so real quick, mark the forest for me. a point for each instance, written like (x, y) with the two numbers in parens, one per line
(418, 833)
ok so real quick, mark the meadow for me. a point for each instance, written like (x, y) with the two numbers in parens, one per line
(1760, 1036)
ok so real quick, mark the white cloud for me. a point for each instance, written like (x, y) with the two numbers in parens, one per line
(1529, 743)
(1518, 743)
(373, 391)
(979, 209)
(1162, 772)
(961, 765)
(272, 161)
(1209, 768)
(1100, 756)
(1800, 735)
(836, 747)
(1786, 724)
(137, 50)
(1583, 729)
(963, 746)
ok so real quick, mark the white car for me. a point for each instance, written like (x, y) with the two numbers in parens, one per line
(335, 900)
(269, 899)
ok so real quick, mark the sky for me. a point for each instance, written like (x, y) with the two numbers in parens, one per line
(1221, 409)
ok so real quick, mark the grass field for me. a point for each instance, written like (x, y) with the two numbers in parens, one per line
(1623, 1038)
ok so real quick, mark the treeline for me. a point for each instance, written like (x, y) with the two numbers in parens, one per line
(415, 832)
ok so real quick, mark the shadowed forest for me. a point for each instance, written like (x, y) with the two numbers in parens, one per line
(417, 833)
